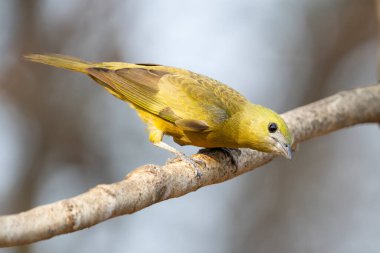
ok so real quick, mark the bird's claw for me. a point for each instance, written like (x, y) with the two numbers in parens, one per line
(193, 162)
(231, 153)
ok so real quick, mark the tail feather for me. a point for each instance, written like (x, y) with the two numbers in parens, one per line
(60, 61)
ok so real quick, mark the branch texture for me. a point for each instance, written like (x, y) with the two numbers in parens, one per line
(151, 184)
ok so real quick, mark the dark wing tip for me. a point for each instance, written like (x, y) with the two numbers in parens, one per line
(148, 64)
(100, 69)
(192, 125)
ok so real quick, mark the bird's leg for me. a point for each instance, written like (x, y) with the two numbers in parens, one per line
(169, 148)
(180, 155)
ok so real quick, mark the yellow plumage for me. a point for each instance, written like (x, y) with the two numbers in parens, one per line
(192, 108)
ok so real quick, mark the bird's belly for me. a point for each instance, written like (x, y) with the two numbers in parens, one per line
(209, 139)
(205, 140)
(158, 123)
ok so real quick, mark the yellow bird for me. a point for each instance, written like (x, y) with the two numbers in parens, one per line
(192, 108)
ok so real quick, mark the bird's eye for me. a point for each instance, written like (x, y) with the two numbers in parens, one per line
(272, 127)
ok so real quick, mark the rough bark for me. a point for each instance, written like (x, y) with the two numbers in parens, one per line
(150, 184)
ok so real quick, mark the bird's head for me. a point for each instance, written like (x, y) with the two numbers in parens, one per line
(269, 132)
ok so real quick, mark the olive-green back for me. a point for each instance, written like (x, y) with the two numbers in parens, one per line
(170, 93)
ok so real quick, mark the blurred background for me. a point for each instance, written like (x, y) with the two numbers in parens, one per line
(61, 133)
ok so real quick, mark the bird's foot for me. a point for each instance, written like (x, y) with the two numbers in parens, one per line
(231, 153)
(182, 156)
(192, 161)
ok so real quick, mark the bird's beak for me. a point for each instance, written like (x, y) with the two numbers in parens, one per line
(285, 150)
(282, 146)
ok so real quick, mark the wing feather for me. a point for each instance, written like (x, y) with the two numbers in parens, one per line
(193, 101)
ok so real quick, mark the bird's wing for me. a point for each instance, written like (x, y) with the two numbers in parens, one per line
(191, 101)
(228, 98)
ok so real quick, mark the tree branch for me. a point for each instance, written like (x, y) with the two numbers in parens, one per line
(151, 184)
